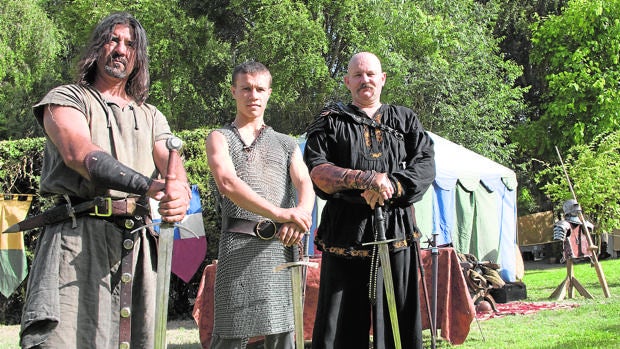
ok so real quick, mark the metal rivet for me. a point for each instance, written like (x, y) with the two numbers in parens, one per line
(126, 277)
(128, 244)
(124, 345)
(129, 223)
(125, 312)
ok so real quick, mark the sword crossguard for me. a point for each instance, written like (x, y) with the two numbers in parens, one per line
(296, 264)
(379, 242)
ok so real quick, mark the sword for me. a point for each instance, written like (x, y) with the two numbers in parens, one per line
(435, 264)
(164, 253)
(298, 279)
(388, 283)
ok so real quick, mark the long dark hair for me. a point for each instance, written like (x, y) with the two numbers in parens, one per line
(138, 82)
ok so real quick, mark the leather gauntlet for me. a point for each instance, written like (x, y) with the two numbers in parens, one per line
(332, 179)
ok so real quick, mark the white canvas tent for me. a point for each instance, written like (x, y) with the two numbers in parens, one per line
(472, 204)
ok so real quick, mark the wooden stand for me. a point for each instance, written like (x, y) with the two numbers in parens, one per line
(566, 287)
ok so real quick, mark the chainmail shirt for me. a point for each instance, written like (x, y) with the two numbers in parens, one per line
(250, 298)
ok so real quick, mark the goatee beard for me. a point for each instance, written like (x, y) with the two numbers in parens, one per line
(115, 73)
(111, 66)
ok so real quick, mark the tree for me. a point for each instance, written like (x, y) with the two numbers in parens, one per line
(456, 77)
(29, 45)
(579, 51)
(593, 170)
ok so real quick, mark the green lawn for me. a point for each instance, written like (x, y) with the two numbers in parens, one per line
(594, 324)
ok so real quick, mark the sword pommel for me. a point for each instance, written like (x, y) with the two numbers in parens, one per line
(174, 143)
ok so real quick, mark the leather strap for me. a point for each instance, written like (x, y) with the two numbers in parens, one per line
(366, 121)
(127, 278)
(126, 207)
(265, 229)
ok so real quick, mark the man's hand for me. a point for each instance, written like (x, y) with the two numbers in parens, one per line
(381, 191)
(291, 234)
(295, 215)
(173, 205)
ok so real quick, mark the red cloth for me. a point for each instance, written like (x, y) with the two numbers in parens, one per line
(455, 309)
(523, 308)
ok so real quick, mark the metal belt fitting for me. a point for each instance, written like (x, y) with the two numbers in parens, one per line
(265, 229)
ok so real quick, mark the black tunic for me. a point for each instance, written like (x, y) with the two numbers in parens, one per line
(406, 154)
(345, 137)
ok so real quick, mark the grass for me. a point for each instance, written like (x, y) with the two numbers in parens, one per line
(594, 324)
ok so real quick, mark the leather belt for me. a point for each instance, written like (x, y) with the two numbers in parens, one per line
(265, 229)
(106, 206)
(353, 252)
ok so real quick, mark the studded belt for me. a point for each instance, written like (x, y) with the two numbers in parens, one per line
(127, 276)
(358, 253)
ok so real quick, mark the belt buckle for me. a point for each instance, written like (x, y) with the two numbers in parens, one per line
(108, 201)
(265, 229)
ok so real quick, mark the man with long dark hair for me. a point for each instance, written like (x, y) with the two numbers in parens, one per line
(93, 279)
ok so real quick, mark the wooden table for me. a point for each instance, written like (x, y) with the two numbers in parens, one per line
(455, 309)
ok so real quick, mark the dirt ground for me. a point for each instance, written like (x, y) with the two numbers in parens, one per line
(9, 335)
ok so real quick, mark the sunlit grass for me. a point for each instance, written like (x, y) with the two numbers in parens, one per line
(594, 324)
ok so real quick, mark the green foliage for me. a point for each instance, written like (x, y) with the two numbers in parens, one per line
(188, 65)
(29, 45)
(20, 165)
(593, 170)
(580, 52)
(460, 83)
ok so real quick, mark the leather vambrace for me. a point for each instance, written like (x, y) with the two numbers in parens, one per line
(106, 171)
(332, 179)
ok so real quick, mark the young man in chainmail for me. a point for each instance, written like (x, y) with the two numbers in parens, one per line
(265, 200)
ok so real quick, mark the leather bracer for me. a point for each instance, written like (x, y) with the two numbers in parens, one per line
(105, 171)
(332, 179)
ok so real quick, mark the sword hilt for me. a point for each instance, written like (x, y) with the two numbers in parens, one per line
(173, 144)
(306, 242)
(380, 223)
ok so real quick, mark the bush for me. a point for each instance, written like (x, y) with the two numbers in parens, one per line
(20, 170)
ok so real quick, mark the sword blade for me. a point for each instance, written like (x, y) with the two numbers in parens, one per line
(164, 250)
(388, 284)
(298, 307)
(164, 265)
(297, 294)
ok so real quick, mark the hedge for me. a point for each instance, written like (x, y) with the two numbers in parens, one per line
(20, 169)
